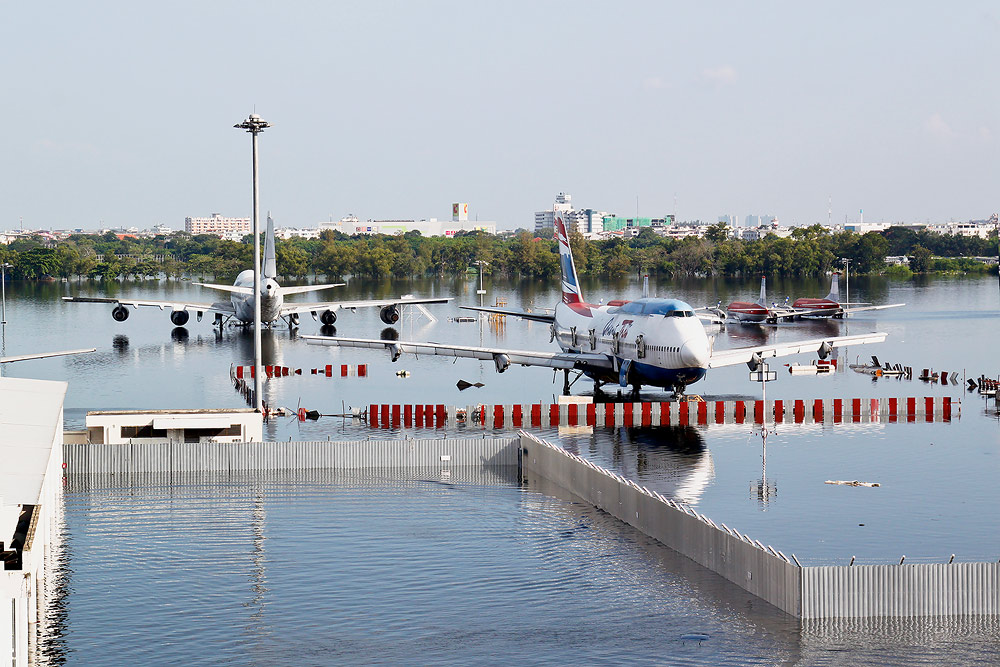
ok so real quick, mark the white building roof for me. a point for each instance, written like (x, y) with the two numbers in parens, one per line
(30, 421)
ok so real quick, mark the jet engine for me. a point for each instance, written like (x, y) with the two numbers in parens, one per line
(328, 318)
(119, 313)
(502, 362)
(389, 314)
(179, 317)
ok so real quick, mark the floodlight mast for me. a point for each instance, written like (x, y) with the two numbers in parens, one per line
(254, 124)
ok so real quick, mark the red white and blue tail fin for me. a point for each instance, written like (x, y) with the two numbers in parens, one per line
(762, 299)
(570, 284)
(834, 294)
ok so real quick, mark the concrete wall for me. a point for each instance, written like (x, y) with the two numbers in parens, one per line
(746, 564)
(368, 454)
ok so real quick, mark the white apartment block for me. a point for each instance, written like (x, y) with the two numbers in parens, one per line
(226, 228)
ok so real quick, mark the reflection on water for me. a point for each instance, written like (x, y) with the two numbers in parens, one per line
(672, 460)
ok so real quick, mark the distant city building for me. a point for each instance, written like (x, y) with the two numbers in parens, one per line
(564, 204)
(613, 223)
(432, 227)
(459, 212)
(226, 228)
(731, 220)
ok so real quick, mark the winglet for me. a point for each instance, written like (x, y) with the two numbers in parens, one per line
(570, 284)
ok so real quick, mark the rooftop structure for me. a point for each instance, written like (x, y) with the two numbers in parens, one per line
(31, 415)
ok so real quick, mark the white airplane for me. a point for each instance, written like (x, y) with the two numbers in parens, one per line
(272, 299)
(649, 341)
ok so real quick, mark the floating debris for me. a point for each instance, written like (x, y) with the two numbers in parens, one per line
(403, 374)
(463, 385)
(852, 483)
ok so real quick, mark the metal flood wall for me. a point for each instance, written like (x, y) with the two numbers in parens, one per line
(249, 456)
(924, 589)
(742, 562)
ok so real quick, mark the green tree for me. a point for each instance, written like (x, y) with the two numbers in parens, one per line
(920, 259)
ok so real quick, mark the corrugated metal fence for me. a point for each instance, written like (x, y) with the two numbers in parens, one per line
(924, 589)
(249, 456)
(864, 591)
(747, 563)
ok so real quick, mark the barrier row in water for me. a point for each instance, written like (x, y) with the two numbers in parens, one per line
(352, 370)
(672, 413)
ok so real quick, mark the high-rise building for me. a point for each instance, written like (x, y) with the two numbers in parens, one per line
(564, 204)
(219, 226)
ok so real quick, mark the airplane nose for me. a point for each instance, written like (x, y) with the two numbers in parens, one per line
(694, 354)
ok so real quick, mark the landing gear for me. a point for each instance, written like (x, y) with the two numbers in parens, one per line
(678, 392)
(566, 384)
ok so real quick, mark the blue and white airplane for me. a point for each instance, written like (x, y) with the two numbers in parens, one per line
(649, 341)
(272, 299)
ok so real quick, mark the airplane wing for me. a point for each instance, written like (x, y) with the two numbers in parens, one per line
(225, 307)
(290, 308)
(500, 356)
(44, 355)
(234, 289)
(744, 355)
(858, 310)
(548, 318)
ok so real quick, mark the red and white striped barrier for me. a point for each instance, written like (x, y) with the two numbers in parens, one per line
(240, 372)
(673, 413)
(345, 370)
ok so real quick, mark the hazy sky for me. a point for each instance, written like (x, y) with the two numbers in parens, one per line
(121, 114)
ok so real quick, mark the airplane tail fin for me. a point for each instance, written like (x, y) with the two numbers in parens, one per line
(834, 294)
(570, 284)
(762, 300)
(270, 267)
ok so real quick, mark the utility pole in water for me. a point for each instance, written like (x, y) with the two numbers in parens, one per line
(255, 125)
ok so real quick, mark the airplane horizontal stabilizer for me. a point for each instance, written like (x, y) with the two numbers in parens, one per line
(302, 289)
(548, 318)
(227, 288)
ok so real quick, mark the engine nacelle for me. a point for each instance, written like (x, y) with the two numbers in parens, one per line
(389, 314)
(179, 317)
(328, 318)
(502, 362)
(119, 313)
(394, 351)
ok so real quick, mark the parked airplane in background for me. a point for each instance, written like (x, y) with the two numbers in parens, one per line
(744, 311)
(649, 341)
(830, 306)
(272, 299)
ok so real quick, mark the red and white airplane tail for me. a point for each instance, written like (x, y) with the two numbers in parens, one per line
(570, 283)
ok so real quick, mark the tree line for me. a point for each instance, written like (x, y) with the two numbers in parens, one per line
(809, 251)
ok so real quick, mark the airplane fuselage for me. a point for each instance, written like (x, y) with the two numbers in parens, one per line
(271, 298)
(744, 311)
(657, 342)
(820, 307)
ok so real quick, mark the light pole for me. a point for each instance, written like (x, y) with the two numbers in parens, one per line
(847, 280)
(3, 286)
(481, 292)
(254, 124)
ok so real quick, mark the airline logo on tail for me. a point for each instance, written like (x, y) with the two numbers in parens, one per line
(570, 285)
